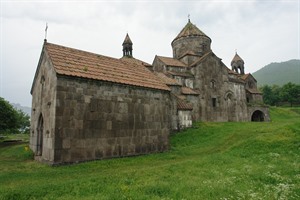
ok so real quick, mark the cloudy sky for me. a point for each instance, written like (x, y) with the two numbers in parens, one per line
(261, 31)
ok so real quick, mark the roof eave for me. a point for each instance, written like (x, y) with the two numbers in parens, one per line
(38, 66)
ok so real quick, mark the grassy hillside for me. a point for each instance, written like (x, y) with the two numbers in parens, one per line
(279, 73)
(209, 161)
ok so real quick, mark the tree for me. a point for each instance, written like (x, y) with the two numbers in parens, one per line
(290, 93)
(12, 120)
(23, 121)
(269, 96)
(8, 117)
(275, 95)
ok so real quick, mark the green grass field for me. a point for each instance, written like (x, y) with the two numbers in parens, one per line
(210, 161)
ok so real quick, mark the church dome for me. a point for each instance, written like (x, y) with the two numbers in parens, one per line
(190, 39)
(190, 30)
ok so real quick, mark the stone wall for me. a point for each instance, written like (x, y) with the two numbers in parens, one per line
(264, 110)
(43, 110)
(158, 65)
(197, 44)
(96, 120)
(211, 79)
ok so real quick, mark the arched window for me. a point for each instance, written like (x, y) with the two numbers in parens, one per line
(229, 95)
(39, 142)
(213, 84)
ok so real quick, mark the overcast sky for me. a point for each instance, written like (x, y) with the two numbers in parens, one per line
(261, 31)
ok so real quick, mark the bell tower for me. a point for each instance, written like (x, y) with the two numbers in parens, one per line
(237, 64)
(127, 46)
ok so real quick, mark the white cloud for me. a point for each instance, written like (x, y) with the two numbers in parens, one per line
(261, 31)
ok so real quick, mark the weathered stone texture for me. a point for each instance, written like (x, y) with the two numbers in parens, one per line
(211, 78)
(196, 44)
(108, 120)
(43, 110)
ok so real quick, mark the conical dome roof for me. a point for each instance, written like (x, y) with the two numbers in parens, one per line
(237, 58)
(190, 30)
(127, 40)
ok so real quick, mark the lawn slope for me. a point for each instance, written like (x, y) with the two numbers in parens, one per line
(209, 161)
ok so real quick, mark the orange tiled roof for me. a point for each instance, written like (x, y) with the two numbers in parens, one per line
(72, 62)
(183, 105)
(253, 91)
(244, 76)
(232, 72)
(187, 90)
(167, 80)
(171, 61)
(135, 61)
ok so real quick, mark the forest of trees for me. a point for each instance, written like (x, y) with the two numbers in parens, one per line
(277, 96)
(12, 120)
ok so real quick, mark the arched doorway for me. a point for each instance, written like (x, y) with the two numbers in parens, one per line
(258, 116)
(39, 144)
(230, 106)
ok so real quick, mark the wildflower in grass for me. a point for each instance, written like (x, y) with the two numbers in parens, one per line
(26, 148)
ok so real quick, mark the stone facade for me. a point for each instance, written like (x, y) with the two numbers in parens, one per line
(97, 120)
(43, 115)
(223, 94)
(76, 119)
(88, 106)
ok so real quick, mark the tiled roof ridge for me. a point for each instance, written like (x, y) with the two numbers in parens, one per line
(127, 59)
(254, 91)
(79, 50)
(79, 63)
(167, 80)
(165, 59)
(188, 91)
(184, 105)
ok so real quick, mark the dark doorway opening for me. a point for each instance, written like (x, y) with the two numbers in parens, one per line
(40, 128)
(258, 116)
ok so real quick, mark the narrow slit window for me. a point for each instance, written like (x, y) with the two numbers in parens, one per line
(214, 102)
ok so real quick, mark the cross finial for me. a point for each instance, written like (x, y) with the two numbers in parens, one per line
(189, 17)
(235, 51)
(46, 31)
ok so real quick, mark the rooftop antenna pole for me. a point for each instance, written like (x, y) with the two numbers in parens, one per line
(46, 31)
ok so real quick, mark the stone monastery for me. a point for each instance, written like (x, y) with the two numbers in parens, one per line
(87, 106)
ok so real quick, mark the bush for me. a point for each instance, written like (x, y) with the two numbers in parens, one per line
(12, 120)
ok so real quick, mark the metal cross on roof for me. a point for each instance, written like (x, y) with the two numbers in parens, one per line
(46, 31)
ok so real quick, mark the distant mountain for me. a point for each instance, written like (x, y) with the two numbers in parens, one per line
(279, 73)
(25, 109)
